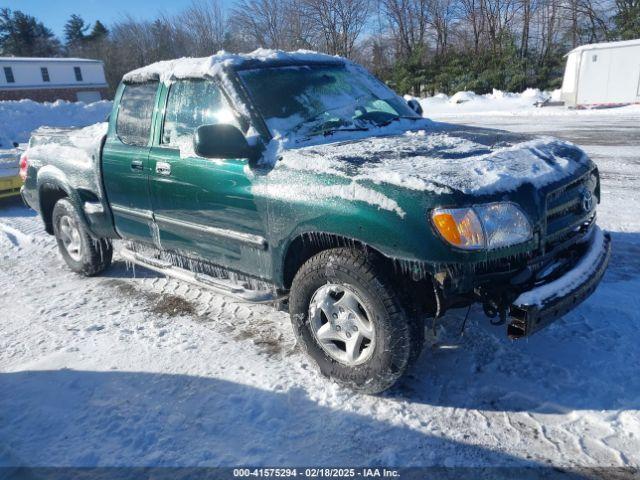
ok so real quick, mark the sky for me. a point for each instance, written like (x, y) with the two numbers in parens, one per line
(55, 13)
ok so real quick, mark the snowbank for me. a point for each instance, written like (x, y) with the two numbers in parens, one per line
(472, 102)
(19, 118)
(506, 103)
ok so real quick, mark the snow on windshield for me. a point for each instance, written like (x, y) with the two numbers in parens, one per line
(317, 99)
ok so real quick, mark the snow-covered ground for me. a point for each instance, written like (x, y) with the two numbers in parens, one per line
(131, 368)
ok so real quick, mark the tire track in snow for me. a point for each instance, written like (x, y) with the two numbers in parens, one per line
(80, 312)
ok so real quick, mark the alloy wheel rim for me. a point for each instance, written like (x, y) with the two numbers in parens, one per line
(70, 236)
(341, 324)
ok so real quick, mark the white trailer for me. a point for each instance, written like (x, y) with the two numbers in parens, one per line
(602, 75)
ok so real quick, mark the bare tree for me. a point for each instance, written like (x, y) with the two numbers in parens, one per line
(408, 20)
(262, 22)
(338, 23)
(202, 26)
(442, 14)
(473, 21)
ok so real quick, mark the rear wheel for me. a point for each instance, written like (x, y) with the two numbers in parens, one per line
(350, 320)
(82, 253)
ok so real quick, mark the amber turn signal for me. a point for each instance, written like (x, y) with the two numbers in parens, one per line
(447, 227)
(460, 227)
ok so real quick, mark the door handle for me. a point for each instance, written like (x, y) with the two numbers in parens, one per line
(137, 165)
(163, 168)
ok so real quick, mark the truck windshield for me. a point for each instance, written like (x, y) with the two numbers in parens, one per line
(315, 100)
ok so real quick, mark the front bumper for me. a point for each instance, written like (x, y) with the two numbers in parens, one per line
(540, 306)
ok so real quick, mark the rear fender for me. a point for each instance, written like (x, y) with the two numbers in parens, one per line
(52, 178)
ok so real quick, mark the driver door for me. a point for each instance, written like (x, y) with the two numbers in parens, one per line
(203, 207)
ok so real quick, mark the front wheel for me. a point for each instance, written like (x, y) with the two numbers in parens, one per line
(82, 253)
(350, 320)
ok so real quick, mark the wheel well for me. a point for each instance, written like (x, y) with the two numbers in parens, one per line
(49, 195)
(417, 290)
(305, 246)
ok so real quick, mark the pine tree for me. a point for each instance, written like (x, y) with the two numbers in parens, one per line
(22, 35)
(627, 19)
(99, 31)
(74, 30)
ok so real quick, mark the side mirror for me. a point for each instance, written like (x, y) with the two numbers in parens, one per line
(415, 106)
(221, 141)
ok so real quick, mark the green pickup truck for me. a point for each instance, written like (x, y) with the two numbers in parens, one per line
(300, 179)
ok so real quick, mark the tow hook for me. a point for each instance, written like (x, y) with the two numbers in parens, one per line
(496, 306)
(497, 313)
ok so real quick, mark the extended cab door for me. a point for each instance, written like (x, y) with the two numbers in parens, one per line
(203, 207)
(125, 161)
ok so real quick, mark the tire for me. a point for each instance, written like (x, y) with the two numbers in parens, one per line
(326, 285)
(82, 253)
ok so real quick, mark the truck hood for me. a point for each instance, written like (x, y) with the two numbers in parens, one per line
(442, 159)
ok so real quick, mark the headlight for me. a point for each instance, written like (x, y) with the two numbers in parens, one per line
(492, 225)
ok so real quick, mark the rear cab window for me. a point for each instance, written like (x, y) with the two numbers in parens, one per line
(135, 113)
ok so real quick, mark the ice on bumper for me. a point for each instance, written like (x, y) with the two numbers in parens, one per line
(578, 275)
(540, 306)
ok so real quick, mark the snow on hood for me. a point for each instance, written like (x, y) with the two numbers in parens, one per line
(188, 67)
(443, 158)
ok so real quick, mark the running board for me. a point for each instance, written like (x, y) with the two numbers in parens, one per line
(201, 280)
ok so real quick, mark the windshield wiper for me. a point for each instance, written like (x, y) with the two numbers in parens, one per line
(319, 115)
(398, 118)
(331, 131)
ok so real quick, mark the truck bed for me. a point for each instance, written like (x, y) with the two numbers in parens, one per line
(69, 152)
(68, 158)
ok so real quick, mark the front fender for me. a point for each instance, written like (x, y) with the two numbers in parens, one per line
(314, 210)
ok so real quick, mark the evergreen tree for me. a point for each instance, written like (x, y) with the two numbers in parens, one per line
(99, 31)
(627, 19)
(22, 35)
(74, 30)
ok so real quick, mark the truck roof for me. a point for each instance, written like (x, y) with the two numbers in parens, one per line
(189, 67)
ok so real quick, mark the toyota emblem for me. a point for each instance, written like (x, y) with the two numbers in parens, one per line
(587, 201)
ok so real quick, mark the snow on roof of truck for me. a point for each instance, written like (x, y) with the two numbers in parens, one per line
(599, 46)
(188, 67)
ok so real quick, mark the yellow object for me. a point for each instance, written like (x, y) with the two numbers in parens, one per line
(446, 225)
(10, 186)
(460, 227)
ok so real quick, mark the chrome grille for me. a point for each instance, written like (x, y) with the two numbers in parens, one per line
(568, 209)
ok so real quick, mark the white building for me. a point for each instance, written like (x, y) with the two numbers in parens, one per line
(602, 74)
(50, 79)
